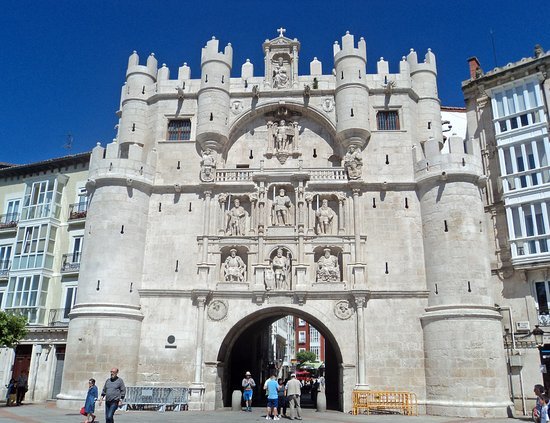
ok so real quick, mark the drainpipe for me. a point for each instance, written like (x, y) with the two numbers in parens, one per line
(521, 387)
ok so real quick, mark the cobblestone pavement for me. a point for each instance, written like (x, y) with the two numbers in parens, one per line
(47, 412)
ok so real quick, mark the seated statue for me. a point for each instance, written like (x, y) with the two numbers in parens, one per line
(353, 162)
(328, 269)
(234, 267)
(280, 76)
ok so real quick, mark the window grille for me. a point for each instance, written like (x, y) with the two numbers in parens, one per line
(387, 120)
(179, 130)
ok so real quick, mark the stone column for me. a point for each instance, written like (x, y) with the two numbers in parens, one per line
(309, 211)
(356, 225)
(360, 302)
(222, 199)
(206, 225)
(341, 227)
(200, 298)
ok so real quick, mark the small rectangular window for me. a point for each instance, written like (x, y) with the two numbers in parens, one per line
(387, 120)
(179, 130)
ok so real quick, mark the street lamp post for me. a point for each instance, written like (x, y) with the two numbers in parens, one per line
(538, 333)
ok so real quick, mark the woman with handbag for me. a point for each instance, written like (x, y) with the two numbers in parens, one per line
(89, 405)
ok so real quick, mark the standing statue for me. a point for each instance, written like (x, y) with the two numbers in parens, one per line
(234, 267)
(208, 165)
(236, 219)
(325, 216)
(281, 208)
(280, 76)
(281, 267)
(353, 162)
(327, 268)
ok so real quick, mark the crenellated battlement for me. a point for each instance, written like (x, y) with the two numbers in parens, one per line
(429, 64)
(348, 48)
(462, 159)
(149, 69)
(138, 167)
(211, 52)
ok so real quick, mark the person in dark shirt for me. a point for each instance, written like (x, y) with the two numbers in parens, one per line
(113, 392)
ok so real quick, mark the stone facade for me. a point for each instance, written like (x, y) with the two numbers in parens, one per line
(348, 216)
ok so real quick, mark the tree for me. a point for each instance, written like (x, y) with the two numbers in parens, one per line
(12, 329)
(303, 356)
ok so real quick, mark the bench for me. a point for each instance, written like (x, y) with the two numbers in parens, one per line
(402, 402)
(156, 397)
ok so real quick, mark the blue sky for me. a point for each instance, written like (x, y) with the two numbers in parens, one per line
(63, 62)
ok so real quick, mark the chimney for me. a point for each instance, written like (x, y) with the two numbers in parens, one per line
(475, 67)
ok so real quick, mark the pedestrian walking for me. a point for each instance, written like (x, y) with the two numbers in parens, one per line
(271, 387)
(248, 385)
(113, 392)
(22, 387)
(281, 401)
(11, 392)
(293, 391)
(89, 404)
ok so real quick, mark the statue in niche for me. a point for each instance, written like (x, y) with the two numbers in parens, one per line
(281, 209)
(280, 76)
(269, 279)
(328, 269)
(353, 162)
(208, 165)
(236, 219)
(234, 267)
(325, 217)
(281, 270)
(283, 136)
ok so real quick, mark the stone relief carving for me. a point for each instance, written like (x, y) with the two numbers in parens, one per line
(328, 269)
(328, 105)
(280, 265)
(217, 310)
(236, 219)
(282, 139)
(353, 162)
(343, 310)
(324, 217)
(280, 74)
(237, 107)
(208, 166)
(281, 209)
(234, 267)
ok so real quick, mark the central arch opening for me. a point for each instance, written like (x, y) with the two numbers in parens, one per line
(248, 346)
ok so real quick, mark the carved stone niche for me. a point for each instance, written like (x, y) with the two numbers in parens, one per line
(233, 266)
(283, 134)
(278, 277)
(281, 62)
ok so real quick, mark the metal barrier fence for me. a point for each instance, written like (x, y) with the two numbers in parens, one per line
(385, 401)
(156, 397)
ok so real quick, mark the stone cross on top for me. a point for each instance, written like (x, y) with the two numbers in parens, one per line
(281, 31)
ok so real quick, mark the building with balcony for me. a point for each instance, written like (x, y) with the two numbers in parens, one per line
(507, 110)
(43, 208)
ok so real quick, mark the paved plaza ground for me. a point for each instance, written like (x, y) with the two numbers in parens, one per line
(47, 412)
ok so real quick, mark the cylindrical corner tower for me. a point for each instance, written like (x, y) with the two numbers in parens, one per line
(105, 325)
(465, 363)
(133, 127)
(424, 84)
(213, 96)
(351, 92)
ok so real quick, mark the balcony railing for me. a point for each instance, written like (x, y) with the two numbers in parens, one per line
(34, 315)
(316, 174)
(78, 210)
(9, 220)
(71, 262)
(4, 268)
(58, 317)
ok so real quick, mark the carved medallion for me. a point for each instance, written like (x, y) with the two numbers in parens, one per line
(217, 310)
(342, 310)
(328, 105)
(237, 107)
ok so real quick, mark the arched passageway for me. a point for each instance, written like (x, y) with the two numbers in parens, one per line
(243, 350)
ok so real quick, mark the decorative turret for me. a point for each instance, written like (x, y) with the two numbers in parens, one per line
(424, 83)
(351, 93)
(460, 304)
(133, 128)
(213, 96)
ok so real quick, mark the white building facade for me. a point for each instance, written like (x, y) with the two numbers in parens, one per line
(507, 110)
(226, 203)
